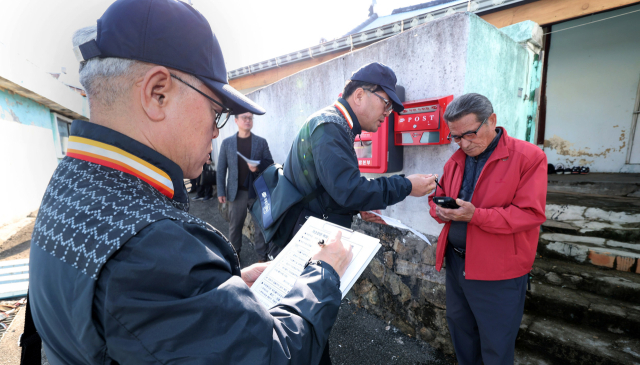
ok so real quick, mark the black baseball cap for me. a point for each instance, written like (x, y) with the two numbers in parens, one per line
(382, 75)
(168, 33)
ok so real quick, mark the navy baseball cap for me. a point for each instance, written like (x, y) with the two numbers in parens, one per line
(382, 75)
(168, 33)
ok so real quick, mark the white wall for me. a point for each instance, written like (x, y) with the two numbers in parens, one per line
(593, 75)
(27, 163)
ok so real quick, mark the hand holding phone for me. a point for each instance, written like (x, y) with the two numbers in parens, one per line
(445, 202)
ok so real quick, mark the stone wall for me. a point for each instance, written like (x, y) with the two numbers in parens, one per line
(402, 286)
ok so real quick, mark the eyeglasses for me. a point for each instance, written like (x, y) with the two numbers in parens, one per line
(224, 110)
(469, 136)
(387, 104)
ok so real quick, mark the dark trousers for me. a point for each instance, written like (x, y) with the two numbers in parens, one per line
(483, 316)
(237, 214)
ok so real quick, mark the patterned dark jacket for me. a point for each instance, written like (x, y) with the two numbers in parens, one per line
(323, 153)
(120, 273)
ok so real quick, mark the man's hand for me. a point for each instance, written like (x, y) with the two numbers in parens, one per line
(253, 168)
(370, 217)
(335, 253)
(422, 184)
(462, 214)
(252, 273)
(222, 199)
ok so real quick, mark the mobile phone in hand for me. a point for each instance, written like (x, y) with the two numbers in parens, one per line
(445, 202)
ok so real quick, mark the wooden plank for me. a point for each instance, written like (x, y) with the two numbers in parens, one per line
(14, 278)
(13, 289)
(11, 263)
(546, 12)
(14, 270)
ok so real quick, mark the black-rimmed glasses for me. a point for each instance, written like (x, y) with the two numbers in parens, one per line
(469, 136)
(224, 110)
(387, 104)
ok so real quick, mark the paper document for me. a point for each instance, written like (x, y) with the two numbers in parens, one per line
(396, 223)
(250, 162)
(278, 279)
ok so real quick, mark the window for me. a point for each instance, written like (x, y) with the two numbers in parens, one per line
(63, 125)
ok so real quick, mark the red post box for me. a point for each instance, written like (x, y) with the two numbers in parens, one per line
(422, 122)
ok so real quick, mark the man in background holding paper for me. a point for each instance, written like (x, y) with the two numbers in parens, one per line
(489, 241)
(244, 154)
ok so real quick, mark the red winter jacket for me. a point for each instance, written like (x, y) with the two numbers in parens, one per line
(510, 198)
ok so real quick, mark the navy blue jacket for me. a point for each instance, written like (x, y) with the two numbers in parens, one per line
(323, 153)
(120, 273)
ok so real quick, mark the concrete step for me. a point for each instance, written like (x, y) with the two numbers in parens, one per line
(610, 217)
(583, 308)
(566, 343)
(597, 251)
(609, 283)
(526, 357)
(596, 184)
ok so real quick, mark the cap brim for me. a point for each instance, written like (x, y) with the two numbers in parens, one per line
(232, 98)
(397, 104)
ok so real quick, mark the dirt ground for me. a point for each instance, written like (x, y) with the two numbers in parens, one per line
(357, 336)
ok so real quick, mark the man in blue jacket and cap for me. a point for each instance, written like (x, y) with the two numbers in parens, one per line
(322, 157)
(120, 273)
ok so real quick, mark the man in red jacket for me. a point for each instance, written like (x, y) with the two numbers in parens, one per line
(489, 242)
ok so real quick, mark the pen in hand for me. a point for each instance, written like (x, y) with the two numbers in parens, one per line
(321, 243)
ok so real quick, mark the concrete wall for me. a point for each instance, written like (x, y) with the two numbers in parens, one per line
(29, 137)
(593, 75)
(27, 163)
(453, 55)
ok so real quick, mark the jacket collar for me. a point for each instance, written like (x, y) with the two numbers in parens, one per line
(103, 146)
(345, 109)
(501, 151)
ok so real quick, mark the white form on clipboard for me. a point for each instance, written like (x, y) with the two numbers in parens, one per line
(278, 279)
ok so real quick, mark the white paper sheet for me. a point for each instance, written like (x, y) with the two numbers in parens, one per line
(278, 279)
(250, 162)
(396, 223)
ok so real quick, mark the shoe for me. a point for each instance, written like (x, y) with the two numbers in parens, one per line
(197, 198)
(207, 198)
(575, 170)
(584, 170)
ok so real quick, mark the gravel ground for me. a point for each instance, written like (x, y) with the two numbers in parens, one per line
(357, 336)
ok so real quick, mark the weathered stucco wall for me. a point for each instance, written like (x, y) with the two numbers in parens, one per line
(593, 75)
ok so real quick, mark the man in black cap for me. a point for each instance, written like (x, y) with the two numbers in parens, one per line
(120, 273)
(322, 157)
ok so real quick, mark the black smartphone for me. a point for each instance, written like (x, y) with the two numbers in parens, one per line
(445, 202)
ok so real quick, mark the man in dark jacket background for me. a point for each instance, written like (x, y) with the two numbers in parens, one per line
(237, 190)
(323, 151)
(323, 154)
(120, 273)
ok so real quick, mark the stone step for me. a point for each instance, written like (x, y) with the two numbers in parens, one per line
(583, 308)
(566, 343)
(596, 251)
(526, 357)
(596, 184)
(616, 218)
(609, 283)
